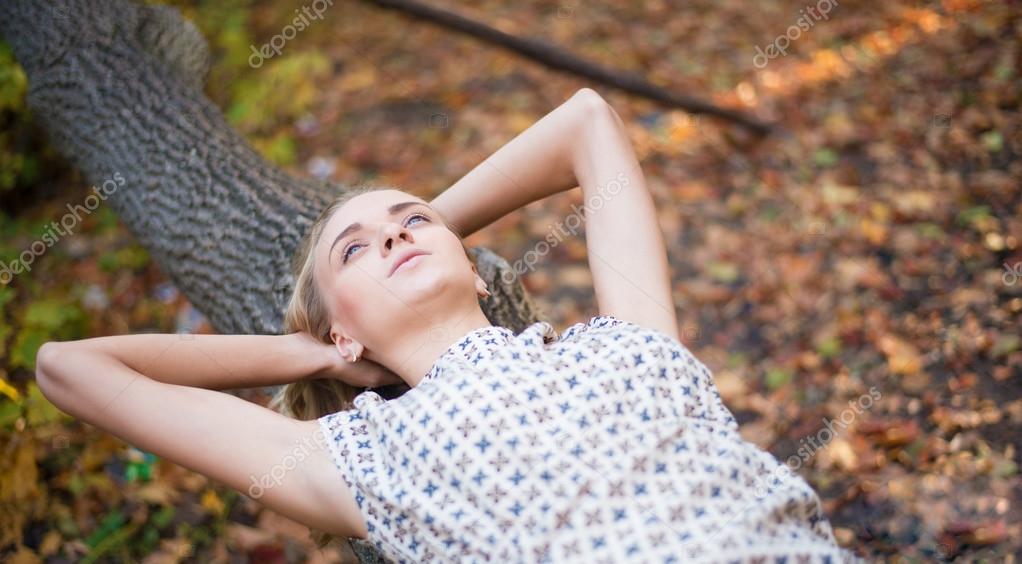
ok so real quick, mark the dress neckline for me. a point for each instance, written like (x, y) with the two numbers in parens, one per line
(477, 335)
(490, 338)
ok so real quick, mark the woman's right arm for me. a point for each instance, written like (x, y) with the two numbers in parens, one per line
(215, 362)
(223, 362)
(233, 441)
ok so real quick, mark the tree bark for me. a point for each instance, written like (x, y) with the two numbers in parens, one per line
(117, 86)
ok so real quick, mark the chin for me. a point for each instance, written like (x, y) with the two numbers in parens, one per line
(423, 284)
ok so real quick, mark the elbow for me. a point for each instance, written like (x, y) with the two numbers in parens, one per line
(591, 101)
(49, 361)
(594, 110)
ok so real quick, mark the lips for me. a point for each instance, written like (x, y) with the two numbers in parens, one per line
(401, 259)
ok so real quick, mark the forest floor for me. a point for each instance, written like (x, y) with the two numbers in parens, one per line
(854, 280)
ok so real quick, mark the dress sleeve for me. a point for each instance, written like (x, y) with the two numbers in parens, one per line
(337, 428)
(694, 391)
(350, 441)
(595, 322)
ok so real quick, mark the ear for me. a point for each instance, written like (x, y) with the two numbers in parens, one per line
(349, 348)
(481, 288)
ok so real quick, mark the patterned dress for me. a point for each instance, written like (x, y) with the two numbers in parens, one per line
(607, 443)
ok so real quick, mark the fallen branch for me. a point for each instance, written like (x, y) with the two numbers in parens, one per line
(553, 57)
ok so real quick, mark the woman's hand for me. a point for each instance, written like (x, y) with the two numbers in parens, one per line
(362, 373)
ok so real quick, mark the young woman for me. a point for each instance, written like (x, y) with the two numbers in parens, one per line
(607, 443)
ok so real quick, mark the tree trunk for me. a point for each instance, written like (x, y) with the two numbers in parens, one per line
(117, 86)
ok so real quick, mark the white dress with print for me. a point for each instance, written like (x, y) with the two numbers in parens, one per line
(608, 443)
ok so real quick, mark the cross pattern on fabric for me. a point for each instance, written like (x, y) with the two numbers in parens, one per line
(607, 443)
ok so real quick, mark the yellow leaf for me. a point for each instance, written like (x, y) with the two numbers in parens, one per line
(836, 194)
(875, 232)
(915, 202)
(9, 390)
(358, 79)
(51, 543)
(158, 492)
(212, 502)
(841, 453)
(24, 555)
(520, 121)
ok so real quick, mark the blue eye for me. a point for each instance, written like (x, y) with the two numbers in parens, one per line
(348, 248)
(408, 220)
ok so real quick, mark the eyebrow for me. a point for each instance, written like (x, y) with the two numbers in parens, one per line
(356, 226)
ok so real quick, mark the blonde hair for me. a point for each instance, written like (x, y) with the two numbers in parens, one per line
(306, 311)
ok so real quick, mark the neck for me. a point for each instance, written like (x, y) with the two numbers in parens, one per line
(423, 340)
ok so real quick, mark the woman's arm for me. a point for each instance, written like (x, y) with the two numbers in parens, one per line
(535, 164)
(624, 241)
(280, 461)
(583, 143)
(222, 362)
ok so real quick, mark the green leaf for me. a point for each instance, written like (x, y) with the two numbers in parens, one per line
(973, 215)
(39, 410)
(777, 377)
(132, 257)
(723, 271)
(76, 484)
(13, 81)
(26, 345)
(930, 230)
(735, 360)
(1005, 469)
(829, 347)
(825, 157)
(282, 150)
(107, 219)
(164, 516)
(50, 313)
(44, 320)
(993, 141)
(1006, 345)
(116, 539)
(10, 411)
(111, 523)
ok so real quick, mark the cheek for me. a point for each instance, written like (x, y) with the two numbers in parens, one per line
(348, 298)
(347, 305)
(354, 293)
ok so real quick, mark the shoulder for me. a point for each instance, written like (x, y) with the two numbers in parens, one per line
(605, 325)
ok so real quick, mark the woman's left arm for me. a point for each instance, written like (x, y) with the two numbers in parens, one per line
(582, 142)
(535, 164)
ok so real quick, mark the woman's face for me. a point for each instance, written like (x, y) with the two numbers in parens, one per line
(356, 257)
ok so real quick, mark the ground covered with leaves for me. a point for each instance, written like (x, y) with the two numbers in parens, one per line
(854, 280)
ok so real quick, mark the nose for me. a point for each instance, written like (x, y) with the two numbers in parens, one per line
(389, 233)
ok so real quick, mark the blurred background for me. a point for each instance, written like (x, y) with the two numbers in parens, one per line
(868, 248)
